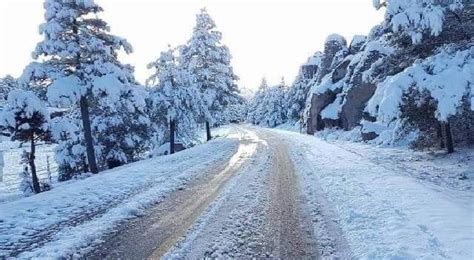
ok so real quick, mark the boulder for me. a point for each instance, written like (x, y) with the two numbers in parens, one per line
(355, 100)
(318, 103)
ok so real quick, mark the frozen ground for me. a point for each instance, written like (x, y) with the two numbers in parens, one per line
(256, 193)
(69, 218)
(363, 196)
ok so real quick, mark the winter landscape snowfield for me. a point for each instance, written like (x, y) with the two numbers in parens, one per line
(281, 194)
(367, 154)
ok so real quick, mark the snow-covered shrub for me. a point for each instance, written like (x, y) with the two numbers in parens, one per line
(417, 113)
(447, 76)
(429, 92)
(122, 129)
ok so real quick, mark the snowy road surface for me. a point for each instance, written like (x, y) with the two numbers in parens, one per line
(255, 193)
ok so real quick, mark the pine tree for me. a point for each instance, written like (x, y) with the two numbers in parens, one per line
(420, 18)
(7, 84)
(275, 113)
(174, 98)
(256, 107)
(209, 61)
(87, 75)
(70, 152)
(26, 118)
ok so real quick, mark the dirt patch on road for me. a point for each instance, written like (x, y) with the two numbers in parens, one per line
(289, 228)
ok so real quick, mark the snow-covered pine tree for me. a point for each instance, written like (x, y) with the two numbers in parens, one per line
(120, 121)
(256, 107)
(70, 152)
(275, 113)
(36, 77)
(208, 60)
(420, 18)
(88, 75)
(175, 99)
(26, 118)
(7, 84)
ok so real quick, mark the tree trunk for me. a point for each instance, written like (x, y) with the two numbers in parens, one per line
(208, 131)
(86, 124)
(86, 121)
(449, 137)
(172, 134)
(440, 136)
(36, 186)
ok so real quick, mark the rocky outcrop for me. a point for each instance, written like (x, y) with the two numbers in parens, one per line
(358, 91)
(357, 43)
(335, 50)
(335, 44)
(318, 103)
(355, 100)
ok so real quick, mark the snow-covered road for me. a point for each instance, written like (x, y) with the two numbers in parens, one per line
(255, 193)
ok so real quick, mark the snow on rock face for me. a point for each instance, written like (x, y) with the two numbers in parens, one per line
(358, 39)
(336, 38)
(316, 59)
(333, 110)
(447, 76)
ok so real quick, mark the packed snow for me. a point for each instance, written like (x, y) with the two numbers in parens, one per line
(74, 215)
(382, 212)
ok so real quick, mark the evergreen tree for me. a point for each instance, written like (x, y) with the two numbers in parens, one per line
(275, 113)
(175, 100)
(256, 112)
(209, 61)
(420, 18)
(70, 152)
(87, 75)
(7, 84)
(26, 118)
